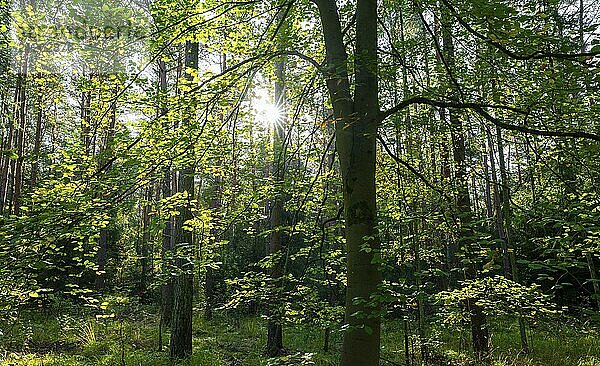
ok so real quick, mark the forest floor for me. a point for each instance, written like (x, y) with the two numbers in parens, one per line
(45, 338)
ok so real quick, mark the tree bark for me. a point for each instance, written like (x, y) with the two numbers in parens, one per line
(181, 325)
(356, 133)
(5, 172)
(86, 118)
(479, 332)
(168, 234)
(589, 257)
(168, 244)
(20, 135)
(145, 246)
(278, 237)
(210, 277)
(594, 277)
(37, 143)
(105, 158)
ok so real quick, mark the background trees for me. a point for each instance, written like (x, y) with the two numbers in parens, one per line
(344, 164)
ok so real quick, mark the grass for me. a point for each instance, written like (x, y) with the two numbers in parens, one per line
(39, 338)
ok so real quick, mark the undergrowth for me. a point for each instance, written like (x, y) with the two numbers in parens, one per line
(39, 338)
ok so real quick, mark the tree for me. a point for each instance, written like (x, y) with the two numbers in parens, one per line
(278, 238)
(356, 120)
(183, 289)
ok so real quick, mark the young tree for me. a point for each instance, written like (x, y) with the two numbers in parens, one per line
(277, 241)
(181, 323)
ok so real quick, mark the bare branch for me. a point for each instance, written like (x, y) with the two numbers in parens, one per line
(481, 110)
(399, 161)
(540, 54)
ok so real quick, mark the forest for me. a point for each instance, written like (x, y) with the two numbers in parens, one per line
(299, 182)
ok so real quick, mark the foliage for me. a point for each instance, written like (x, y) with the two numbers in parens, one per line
(497, 296)
(486, 173)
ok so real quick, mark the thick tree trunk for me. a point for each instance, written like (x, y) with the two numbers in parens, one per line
(356, 149)
(479, 332)
(356, 133)
(181, 325)
(356, 146)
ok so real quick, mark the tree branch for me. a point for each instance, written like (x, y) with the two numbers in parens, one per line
(399, 161)
(481, 110)
(266, 57)
(306, 58)
(532, 56)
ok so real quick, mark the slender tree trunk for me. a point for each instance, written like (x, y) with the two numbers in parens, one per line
(406, 336)
(211, 279)
(419, 291)
(499, 213)
(13, 145)
(594, 277)
(488, 191)
(168, 244)
(86, 115)
(504, 219)
(506, 229)
(278, 237)
(210, 276)
(181, 324)
(37, 143)
(168, 235)
(20, 136)
(145, 245)
(3, 149)
(5, 173)
(479, 332)
(5, 37)
(589, 257)
(106, 155)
